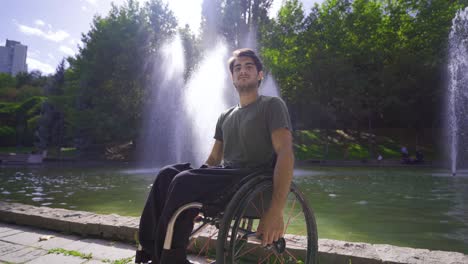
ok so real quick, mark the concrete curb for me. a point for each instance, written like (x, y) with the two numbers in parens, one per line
(69, 221)
(124, 228)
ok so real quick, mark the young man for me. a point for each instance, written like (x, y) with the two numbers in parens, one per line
(252, 135)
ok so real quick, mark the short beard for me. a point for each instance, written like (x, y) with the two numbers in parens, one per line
(246, 88)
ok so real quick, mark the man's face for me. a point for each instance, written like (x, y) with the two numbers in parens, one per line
(245, 75)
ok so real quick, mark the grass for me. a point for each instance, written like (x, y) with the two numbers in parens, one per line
(119, 261)
(320, 144)
(355, 145)
(70, 253)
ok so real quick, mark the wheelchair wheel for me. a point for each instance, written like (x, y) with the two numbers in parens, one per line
(237, 242)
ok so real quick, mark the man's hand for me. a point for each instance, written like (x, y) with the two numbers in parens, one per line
(271, 226)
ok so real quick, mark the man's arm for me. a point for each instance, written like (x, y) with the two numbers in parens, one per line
(272, 224)
(216, 155)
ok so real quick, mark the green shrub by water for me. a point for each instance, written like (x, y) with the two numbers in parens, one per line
(354, 145)
(19, 121)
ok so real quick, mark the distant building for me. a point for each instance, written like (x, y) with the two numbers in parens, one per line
(13, 57)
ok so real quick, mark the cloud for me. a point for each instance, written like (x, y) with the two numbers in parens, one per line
(56, 36)
(84, 8)
(34, 64)
(92, 2)
(67, 50)
(34, 53)
(39, 22)
(75, 43)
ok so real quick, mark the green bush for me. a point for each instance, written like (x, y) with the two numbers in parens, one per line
(22, 118)
(8, 94)
(8, 108)
(6, 80)
(31, 106)
(28, 91)
(8, 113)
(350, 145)
(33, 122)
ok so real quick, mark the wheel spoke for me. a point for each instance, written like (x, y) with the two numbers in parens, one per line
(206, 246)
(200, 227)
(298, 214)
(289, 216)
(241, 247)
(249, 250)
(244, 243)
(276, 255)
(276, 260)
(291, 255)
(268, 256)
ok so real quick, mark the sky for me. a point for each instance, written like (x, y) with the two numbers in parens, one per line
(52, 28)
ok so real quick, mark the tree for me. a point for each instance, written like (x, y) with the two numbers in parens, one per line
(361, 64)
(6, 80)
(191, 49)
(162, 23)
(238, 21)
(50, 131)
(110, 73)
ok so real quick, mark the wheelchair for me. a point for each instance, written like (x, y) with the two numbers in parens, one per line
(236, 224)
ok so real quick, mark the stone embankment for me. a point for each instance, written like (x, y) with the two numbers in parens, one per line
(125, 228)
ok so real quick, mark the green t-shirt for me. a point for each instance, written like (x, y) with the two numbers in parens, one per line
(246, 132)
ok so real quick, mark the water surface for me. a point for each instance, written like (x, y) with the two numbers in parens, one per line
(420, 208)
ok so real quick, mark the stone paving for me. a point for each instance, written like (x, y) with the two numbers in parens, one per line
(20, 244)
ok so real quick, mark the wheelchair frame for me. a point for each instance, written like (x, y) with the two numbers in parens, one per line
(247, 186)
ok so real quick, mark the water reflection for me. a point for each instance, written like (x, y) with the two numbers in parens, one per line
(393, 206)
(418, 208)
(99, 190)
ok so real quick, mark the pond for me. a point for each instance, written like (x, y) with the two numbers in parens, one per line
(421, 208)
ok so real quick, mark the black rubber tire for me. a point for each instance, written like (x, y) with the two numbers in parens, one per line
(236, 208)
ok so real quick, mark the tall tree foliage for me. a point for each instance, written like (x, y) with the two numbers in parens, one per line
(21, 97)
(50, 130)
(345, 63)
(238, 21)
(107, 79)
(362, 63)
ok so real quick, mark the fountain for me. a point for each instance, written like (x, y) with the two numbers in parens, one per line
(207, 95)
(458, 91)
(180, 119)
(161, 127)
(180, 116)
